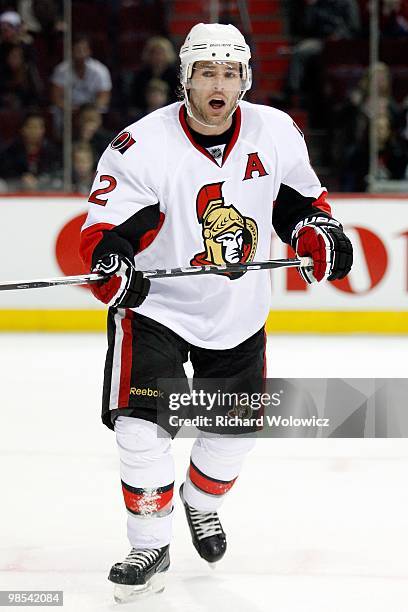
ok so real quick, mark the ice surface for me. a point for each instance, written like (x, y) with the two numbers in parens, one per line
(312, 525)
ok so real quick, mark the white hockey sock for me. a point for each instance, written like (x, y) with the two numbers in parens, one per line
(215, 464)
(147, 475)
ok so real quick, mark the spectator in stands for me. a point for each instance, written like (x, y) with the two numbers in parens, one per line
(91, 80)
(20, 86)
(351, 119)
(156, 96)
(159, 62)
(11, 29)
(323, 20)
(31, 162)
(89, 129)
(83, 167)
(394, 18)
(43, 16)
(392, 157)
(12, 34)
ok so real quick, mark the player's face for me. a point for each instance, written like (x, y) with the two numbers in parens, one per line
(214, 89)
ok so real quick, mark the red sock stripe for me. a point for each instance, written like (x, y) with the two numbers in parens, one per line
(207, 484)
(146, 501)
(126, 361)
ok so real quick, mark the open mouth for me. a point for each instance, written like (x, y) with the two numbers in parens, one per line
(216, 103)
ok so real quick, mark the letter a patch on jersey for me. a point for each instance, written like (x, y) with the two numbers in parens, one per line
(254, 164)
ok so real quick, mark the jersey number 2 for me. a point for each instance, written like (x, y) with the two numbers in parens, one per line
(94, 199)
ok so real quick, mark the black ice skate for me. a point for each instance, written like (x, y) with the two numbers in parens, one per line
(142, 572)
(206, 531)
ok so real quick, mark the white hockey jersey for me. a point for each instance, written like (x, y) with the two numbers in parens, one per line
(211, 211)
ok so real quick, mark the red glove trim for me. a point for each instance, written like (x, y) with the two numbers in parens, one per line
(105, 291)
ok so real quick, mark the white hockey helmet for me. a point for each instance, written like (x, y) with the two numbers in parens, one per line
(214, 42)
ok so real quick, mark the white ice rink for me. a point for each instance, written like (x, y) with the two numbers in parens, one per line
(312, 525)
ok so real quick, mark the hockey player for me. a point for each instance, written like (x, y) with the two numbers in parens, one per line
(206, 180)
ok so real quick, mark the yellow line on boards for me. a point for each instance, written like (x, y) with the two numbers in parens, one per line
(279, 321)
(53, 320)
(337, 322)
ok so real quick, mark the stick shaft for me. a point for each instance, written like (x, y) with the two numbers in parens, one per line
(87, 279)
(230, 268)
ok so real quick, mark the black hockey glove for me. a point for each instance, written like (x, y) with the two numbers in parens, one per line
(323, 239)
(124, 286)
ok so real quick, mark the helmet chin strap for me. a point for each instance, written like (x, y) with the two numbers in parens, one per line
(190, 112)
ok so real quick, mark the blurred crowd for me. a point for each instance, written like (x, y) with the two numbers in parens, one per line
(329, 79)
(31, 150)
(325, 37)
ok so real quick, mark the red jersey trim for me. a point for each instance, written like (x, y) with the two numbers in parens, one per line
(126, 360)
(90, 237)
(322, 203)
(235, 135)
(204, 151)
(148, 237)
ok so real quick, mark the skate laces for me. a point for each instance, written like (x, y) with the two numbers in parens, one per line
(142, 558)
(206, 524)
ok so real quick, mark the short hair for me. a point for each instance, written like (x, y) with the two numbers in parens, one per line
(81, 37)
(34, 114)
(158, 84)
(164, 43)
(88, 106)
(82, 147)
(364, 84)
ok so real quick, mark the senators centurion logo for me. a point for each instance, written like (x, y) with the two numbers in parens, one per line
(228, 236)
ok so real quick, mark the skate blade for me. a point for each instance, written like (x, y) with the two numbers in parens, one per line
(125, 593)
(212, 565)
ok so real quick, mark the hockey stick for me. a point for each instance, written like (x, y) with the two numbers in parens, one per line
(87, 279)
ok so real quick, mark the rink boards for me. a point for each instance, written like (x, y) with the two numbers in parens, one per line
(40, 240)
